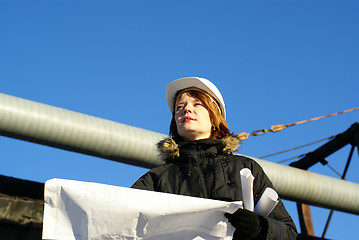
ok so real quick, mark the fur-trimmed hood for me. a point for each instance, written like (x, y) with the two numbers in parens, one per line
(170, 149)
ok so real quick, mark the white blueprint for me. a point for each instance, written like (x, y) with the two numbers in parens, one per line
(83, 210)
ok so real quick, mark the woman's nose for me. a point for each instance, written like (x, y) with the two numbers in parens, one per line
(187, 108)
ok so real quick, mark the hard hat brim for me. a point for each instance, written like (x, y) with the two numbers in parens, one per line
(180, 84)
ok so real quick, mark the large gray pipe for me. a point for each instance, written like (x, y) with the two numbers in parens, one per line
(57, 127)
(61, 128)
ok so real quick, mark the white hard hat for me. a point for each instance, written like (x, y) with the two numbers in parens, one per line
(201, 83)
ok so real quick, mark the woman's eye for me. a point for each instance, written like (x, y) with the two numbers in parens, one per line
(179, 107)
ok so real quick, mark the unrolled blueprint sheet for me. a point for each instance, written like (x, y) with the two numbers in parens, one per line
(82, 210)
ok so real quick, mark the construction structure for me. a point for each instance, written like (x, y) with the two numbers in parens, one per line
(21, 201)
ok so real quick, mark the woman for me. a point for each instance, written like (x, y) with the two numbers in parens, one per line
(200, 162)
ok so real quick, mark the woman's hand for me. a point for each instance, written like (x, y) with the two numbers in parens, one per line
(248, 224)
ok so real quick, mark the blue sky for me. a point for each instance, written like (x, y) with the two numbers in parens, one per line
(275, 62)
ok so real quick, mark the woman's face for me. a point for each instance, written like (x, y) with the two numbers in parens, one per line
(192, 118)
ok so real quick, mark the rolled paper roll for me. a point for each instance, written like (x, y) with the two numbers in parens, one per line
(247, 188)
(267, 202)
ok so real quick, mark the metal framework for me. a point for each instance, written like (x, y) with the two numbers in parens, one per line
(61, 128)
(350, 136)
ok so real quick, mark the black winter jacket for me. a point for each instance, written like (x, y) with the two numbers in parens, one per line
(208, 169)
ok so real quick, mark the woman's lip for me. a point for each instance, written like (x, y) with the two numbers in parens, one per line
(187, 119)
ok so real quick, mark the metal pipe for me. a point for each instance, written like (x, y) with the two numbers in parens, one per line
(61, 128)
(57, 127)
(312, 188)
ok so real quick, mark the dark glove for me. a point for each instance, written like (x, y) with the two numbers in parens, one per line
(247, 224)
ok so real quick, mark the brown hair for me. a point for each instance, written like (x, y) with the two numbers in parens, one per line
(219, 124)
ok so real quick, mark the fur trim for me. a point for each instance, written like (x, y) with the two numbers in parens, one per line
(169, 149)
(230, 144)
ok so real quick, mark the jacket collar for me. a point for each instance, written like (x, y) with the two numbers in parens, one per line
(169, 148)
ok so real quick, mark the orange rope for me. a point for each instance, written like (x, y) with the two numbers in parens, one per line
(279, 127)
